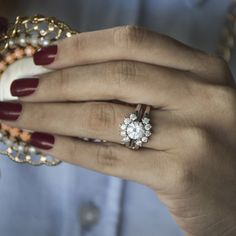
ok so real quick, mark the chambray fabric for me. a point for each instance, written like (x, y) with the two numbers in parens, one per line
(44, 201)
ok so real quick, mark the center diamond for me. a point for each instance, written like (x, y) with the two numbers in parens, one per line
(135, 130)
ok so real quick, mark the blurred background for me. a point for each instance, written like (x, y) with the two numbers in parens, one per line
(69, 200)
(197, 22)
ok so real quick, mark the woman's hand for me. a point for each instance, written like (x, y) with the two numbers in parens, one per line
(190, 158)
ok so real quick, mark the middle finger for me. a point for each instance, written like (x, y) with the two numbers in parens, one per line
(130, 82)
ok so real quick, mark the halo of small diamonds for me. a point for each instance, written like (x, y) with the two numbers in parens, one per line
(135, 132)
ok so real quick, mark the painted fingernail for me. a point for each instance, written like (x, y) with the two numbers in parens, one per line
(46, 55)
(24, 87)
(42, 140)
(3, 24)
(10, 111)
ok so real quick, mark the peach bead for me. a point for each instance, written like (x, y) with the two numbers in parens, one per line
(5, 127)
(9, 58)
(14, 132)
(25, 136)
(13, 56)
(29, 51)
(19, 53)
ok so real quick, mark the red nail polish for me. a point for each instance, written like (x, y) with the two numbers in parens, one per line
(42, 140)
(10, 111)
(24, 87)
(46, 55)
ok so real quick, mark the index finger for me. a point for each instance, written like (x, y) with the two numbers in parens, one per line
(135, 44)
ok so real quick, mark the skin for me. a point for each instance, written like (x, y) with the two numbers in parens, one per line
(189, 160)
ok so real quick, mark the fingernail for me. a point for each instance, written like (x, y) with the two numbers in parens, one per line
(3, 24)
(46, 55)
(42, 140)
(24, 87)
(10, 111)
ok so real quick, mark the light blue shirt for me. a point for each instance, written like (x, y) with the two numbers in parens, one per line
(60, 201)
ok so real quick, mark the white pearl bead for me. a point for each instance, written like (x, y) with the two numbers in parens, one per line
(46, 42)
(43, 159)
(20, 148)
(34, 41)
(41, 41)
(22, 40)
(32, 150)
(11, 43)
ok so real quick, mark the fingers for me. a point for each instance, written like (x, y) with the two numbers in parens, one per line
(131, 43)
(111, 159)
(95, 120)
(131, 82)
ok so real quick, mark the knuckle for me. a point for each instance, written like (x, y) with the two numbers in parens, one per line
(225, 94)
(101, 116)
(221, 67)
(63, 82)
(124, 73)
(128, 36)
(220, 63)
(185, 177)
(79, 42)
(222, 98)
(107, 156)
(197, 139)
(41, 117)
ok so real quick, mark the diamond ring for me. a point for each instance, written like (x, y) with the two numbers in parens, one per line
(136, 128)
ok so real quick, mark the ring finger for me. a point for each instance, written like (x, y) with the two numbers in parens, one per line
(97, 120)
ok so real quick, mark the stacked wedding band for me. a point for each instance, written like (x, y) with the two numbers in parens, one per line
(136, 128)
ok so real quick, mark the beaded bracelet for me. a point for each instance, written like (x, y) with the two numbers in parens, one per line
(23, 39)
